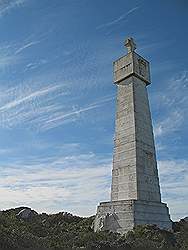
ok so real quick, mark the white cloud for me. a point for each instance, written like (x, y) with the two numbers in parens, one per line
(35, 94)
(59, 118)
(64, 182)
(119, 19)
(35, 64)
(7, 57)
(172, 104)
(6, 60)
(174, 185)
(28, 45)
(170, 124)
(7, 5)
(38, 106)
(10, 53)
(5, 151)
(28, 102)
(77, 182)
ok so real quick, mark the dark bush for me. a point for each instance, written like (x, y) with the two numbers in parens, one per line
(65, 231)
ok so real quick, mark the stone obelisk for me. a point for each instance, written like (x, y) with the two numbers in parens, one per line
(135, 190)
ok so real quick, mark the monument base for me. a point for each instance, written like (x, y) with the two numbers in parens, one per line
(122, 216)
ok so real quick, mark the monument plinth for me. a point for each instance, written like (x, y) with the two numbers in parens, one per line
(135, 190)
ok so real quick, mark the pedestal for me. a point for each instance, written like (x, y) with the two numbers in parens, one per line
(122, 216)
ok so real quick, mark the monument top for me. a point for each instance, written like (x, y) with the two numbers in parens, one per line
(130, 44)
(131, 64)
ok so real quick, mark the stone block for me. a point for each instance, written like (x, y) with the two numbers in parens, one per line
(122, 216)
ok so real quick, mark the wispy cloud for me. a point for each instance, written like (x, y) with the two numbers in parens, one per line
(38, 106)
(119, 19)
(149, 47)
(28, 45)
(170, 124)
(171, 107)
(59, 118)
(28, 102)
(75, 180)
(174, 179)
(6, 61)
(59, 185)
(7, 56)
(173, 104)
(36, 64)
(7, 5)
(11, 52)
(5, 151)
(36, 94)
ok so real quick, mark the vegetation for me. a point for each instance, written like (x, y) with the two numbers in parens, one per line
(65, 231)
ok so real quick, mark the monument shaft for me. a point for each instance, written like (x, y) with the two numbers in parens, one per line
(135, 190)
(134, 174)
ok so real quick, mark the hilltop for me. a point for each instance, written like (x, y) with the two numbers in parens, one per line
(66, 231)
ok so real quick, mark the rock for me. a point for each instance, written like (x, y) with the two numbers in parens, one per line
(185, 219)
(26, 213)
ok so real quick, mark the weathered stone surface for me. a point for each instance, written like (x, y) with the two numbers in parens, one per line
(131, 64)
(122, 216)
(141, 180)
(135, 190)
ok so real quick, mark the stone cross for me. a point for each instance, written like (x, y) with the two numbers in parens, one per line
(130, 44)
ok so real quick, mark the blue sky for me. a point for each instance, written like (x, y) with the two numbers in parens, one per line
(57, 100)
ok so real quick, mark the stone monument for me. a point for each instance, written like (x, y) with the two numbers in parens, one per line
(135, 190)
